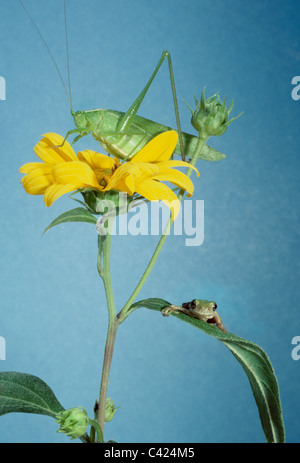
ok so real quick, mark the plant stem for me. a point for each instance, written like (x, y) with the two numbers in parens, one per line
(126, 309)
(95, 427)
(104, 244)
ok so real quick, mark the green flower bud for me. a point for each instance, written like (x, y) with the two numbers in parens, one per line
(210, 117)
(110, 409)
(73, 422)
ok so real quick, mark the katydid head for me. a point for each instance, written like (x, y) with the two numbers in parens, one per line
(80, 119)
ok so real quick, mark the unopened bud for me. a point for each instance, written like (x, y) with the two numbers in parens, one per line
(73, 422)
(210, 117)
(110, 409)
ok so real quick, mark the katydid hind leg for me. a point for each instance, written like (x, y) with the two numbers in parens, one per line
(127, 119)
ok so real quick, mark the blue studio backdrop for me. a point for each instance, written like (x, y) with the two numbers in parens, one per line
(172, 382)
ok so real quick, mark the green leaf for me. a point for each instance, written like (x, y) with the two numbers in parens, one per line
(210, 154)
(190, 144)
(21, 392)
(255, 363)
(153, 303)
(79, 214)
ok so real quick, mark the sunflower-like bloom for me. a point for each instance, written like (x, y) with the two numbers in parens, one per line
(62, 171)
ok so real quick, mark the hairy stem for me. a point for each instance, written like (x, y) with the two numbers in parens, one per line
(108, 353)
(104, 244)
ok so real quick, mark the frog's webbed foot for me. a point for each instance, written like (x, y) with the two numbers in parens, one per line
(166, 311)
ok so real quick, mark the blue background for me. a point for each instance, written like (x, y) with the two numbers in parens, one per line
(172, 383)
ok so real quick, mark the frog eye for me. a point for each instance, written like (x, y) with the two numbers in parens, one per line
(193, 304)
(215, 306)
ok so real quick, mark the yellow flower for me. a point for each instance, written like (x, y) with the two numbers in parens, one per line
(144, 173)
(62, 171)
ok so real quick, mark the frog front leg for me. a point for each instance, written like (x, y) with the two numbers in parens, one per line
(218, 322)
(166, 311)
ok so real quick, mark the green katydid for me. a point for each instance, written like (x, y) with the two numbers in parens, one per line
(124, 134)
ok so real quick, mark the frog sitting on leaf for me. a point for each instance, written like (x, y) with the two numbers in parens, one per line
(198, 308)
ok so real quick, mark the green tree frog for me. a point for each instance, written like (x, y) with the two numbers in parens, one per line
(198, 308)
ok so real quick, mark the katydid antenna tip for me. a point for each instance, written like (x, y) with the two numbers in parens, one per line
(50, 53)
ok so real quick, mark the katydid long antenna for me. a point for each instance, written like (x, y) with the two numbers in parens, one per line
(68, 61)
(68, 94)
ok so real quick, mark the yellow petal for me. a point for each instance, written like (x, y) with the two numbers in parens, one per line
(122, 183)
(47, 150)
(154, 191)
(38, 180)
(123, 178)
(169, 164)
(55, 191)
(177, 178)
(146, 169)
(26, 168)
(97, 160)
(159, 149)
(76, 173)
